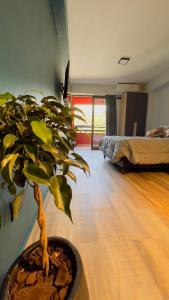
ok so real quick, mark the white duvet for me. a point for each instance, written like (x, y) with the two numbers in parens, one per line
(138, 150)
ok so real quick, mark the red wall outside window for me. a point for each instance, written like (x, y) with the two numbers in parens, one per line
(83, 138)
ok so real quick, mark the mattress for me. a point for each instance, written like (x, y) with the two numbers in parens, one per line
(138, 150)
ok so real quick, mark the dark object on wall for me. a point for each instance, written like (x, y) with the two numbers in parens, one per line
(66, 83)
(78, 291)
(111, 115)
(133, 111)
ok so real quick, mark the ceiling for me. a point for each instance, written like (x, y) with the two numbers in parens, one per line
(100, 32)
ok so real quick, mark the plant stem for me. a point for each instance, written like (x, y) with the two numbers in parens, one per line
(42, 225)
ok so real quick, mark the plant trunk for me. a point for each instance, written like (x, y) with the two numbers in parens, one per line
(42, 225)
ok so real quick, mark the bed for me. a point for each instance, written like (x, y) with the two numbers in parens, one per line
(133, 153)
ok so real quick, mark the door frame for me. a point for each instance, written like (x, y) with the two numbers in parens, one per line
(92, 134)
(93, 97)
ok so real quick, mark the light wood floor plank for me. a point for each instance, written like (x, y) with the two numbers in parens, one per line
(121, 228)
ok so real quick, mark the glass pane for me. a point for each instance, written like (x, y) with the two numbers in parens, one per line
(99, 122)
(84, 130)
(87, 110)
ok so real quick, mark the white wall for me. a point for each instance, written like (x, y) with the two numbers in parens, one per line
(158, 106)
(161, 106)
(93, 89)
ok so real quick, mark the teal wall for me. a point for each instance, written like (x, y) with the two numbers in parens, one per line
(30, 55)
(13, 235)
(31, 61)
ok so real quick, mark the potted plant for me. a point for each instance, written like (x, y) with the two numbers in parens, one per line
(36, 147)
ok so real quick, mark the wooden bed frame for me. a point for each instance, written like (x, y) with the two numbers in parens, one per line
(125, 165)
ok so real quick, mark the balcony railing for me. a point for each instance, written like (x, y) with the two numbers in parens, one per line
(88, 129)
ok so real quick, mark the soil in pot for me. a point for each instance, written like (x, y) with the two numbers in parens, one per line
(30, 282)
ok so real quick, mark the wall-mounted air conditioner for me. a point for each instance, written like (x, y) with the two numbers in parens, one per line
(122, 88)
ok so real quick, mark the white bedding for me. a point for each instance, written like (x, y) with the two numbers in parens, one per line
(138, 150)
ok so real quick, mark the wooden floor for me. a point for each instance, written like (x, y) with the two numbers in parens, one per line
(121, 228)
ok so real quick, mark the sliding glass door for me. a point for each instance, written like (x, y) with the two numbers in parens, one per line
(90, 133)
(98, 121)
(84, 130)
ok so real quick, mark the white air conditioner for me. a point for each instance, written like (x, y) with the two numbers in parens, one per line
(122, 88)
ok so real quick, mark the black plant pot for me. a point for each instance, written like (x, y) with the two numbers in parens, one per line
(78, 291)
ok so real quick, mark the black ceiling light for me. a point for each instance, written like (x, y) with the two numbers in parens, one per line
(124, 60)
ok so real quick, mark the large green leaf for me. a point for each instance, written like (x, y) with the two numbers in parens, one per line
(12, 189)
(67, 143)
(78, 109)
(35, 174)
(9, 140)
(2, 101)
(49, 97)
(80, 118)
(46, 99)
(32, 152)
(23, 97)
(47, 157)
(42, 131)
(71, 175)
(71, 133)
(7, 96)
(52, 104)
(62, 193)
(5, 174)
(71, 162)
(52, 150)
(46, 167)
(62, 147)
(24, 128)
(29, 101)
(65, 168)
(45, 109)
(6, 160)
(11, 164)
(81, 161)
(16, 204)
(7, 166)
